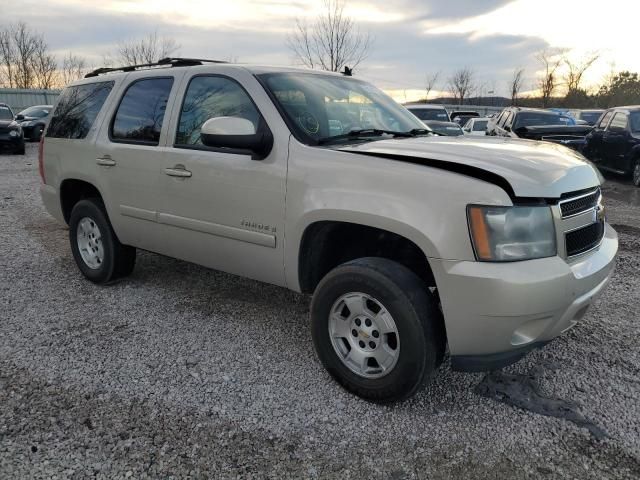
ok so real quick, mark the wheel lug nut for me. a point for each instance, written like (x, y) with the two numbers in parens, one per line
(372, 344)
(362, 344)
(354, 332)
(367, 322)
(358, 322)
(375, 333)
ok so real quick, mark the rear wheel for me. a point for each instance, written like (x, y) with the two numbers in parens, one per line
(377, 329)
(96, 249)
(635, 174)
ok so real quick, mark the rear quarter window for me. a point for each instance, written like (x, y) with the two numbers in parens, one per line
(77, 109)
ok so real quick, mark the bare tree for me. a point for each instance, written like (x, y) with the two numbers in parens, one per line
(576, 70)
(73, 68)
(548, 80)
(516, 85)
(44, 65)
(7, 57)
(331, 42)
(146, 50)
(26, 44)
(461, 84)
(430, 83)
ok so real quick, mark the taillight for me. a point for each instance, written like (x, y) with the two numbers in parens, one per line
(41, 159)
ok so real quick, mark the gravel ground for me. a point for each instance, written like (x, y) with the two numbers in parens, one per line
(180, 371)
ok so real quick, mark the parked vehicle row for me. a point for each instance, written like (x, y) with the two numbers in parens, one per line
(411, 244)
(26, 125)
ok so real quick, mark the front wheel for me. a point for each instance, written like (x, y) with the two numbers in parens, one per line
(635, 175)
(377, 329)
(96, 249)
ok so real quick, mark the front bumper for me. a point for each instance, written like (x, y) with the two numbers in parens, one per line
(10, 143)
(496, 312)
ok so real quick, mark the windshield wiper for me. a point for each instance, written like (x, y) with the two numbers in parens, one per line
(373, 132)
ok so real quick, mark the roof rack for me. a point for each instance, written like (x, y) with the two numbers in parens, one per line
(163, 62)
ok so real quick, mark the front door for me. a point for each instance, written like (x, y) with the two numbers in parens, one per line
(223, 209)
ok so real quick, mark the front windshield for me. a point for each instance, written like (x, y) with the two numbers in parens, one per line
(430, 113)
(590, 117)
(35, 112)
(530, 119)
(634, 122)
(318, 107)
(5, 114)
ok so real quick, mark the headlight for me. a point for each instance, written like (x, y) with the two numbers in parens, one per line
(14, 133)
(506, 234)
(27, 124)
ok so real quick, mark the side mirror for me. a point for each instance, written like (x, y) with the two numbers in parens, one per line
(19, 117)
(237, 133)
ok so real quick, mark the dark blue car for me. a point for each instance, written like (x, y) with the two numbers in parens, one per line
(614, 143)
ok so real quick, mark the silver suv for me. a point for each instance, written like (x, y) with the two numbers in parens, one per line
(410, 243)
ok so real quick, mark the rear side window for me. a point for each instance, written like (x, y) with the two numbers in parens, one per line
(141, 111)
(211, 97)
(619, 122)
(77, 109)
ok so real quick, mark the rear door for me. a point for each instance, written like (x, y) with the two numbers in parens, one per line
(222, 209)
(130, 155)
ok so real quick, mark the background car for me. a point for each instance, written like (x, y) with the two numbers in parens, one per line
(614, 143)
(537, 124)
(476, 126)
(461, 117)
(430, 112)
(450, 129)
(11, 136)
(33, 120)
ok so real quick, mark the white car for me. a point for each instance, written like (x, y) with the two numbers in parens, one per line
(476, 126)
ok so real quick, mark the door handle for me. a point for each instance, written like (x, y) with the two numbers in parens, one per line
(178, 171)
(106, 161)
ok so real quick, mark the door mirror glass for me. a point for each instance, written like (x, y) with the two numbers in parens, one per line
(19, 117)
(237, 133)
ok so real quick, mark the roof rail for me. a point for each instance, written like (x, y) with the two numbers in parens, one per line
(163, 62)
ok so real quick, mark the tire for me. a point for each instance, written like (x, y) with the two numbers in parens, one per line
(37, 133)
(96, 249)
(635, 173)
(419, 338)
(20, 150)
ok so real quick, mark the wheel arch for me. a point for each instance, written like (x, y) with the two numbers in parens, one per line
(72, 190)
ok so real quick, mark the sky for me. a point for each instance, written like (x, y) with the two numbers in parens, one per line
(411, 38)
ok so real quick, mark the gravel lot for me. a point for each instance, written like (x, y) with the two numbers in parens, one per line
(180, 371)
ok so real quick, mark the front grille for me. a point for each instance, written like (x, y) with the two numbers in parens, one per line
(4, 130)
(584, 239)
(580, 204)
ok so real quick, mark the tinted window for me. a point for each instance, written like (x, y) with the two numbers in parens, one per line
(210, 97)
(5, 114)
(77, 109)
(141, 111)
(530, 119)
(479, 125)
(619, 122)
(35, 112)
(430, 114)
(605, 119)
(635, 122)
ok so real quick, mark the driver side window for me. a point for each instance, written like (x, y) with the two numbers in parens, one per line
(210, 97)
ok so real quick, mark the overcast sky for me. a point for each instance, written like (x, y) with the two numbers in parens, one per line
(411, 37)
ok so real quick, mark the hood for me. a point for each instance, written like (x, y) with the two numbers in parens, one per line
(7, 123)
(523, 168)
(537, 132)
